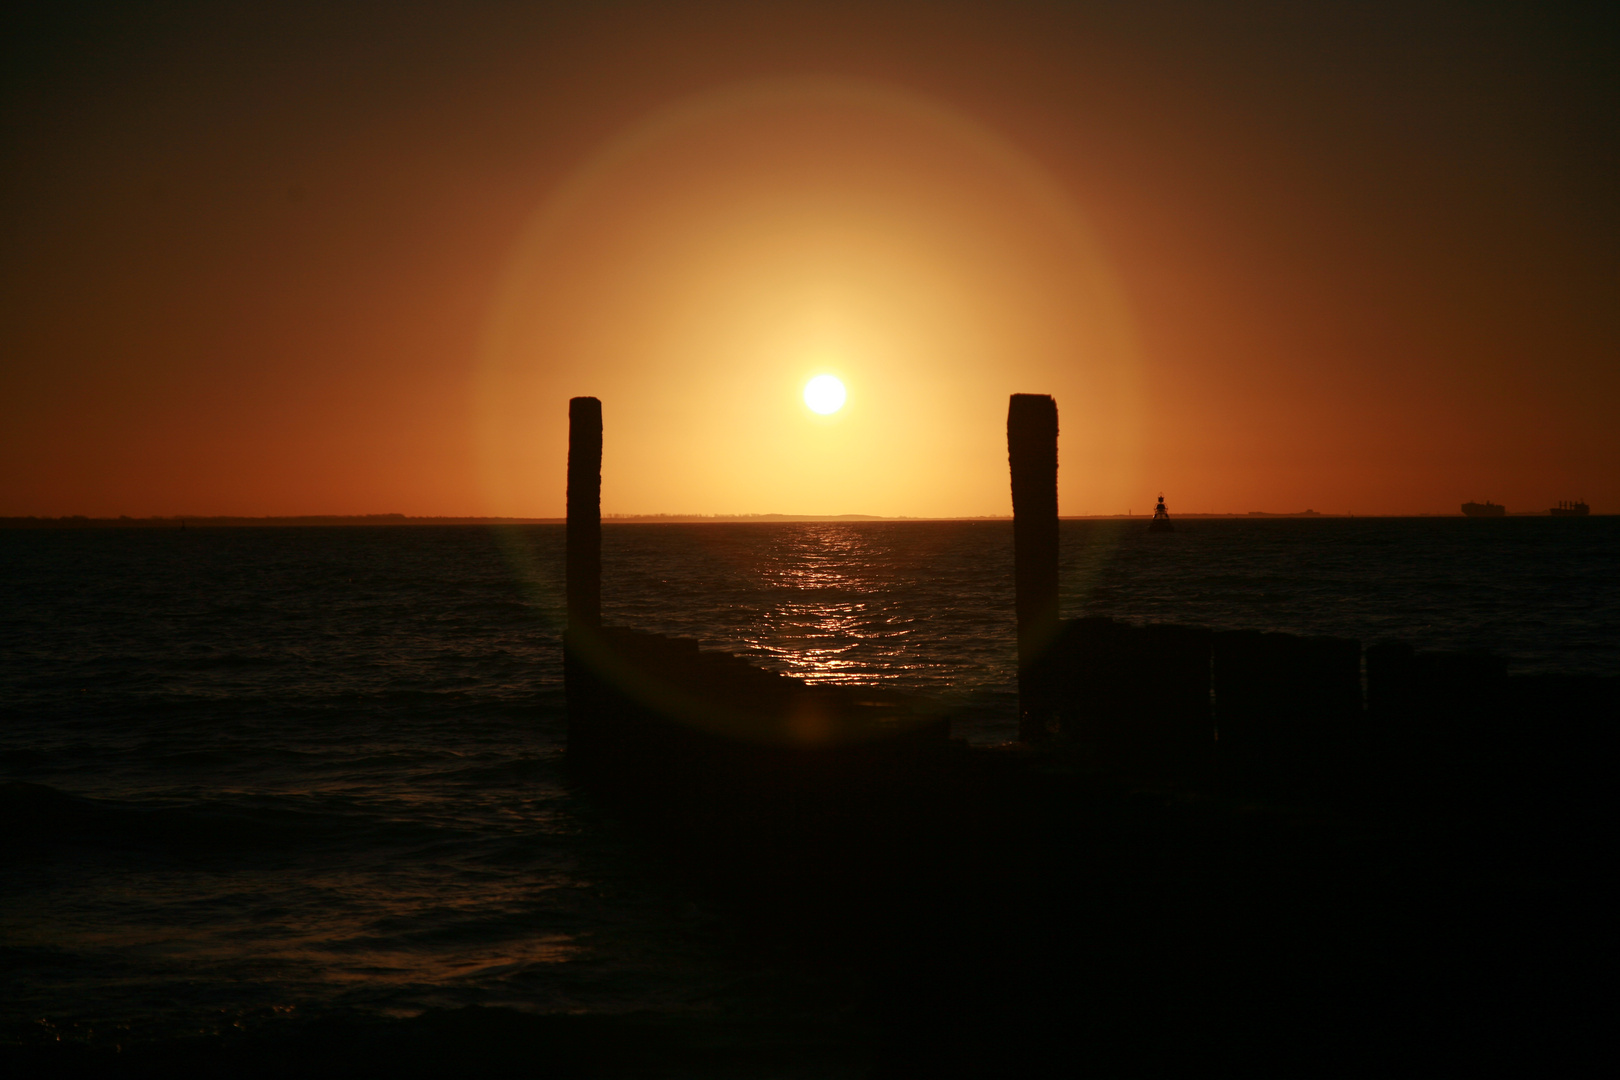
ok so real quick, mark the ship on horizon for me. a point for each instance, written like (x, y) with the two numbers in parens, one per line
(1567, 508)
(1484, 509)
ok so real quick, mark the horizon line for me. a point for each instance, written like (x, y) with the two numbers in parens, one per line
(339, 520)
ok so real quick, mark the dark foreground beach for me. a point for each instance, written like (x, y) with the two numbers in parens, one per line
(1088, 928)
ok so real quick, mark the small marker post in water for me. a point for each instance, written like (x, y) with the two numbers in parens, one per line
(1032, 431)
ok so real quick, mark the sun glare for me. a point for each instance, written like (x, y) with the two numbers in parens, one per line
(824, 394)
(734, 246)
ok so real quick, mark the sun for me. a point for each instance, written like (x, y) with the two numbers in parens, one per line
(824, 394)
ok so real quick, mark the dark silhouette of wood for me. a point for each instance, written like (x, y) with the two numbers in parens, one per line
(656, 716)
(1289, 710)
(584, 560)
(1135, 697)
(1280, 863)
(1032, 431)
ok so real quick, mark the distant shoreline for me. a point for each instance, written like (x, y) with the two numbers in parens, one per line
(401, 520)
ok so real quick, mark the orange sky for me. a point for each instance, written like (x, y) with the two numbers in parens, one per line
(355, 258)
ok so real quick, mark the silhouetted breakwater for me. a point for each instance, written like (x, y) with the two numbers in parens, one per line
(1196, 829)
(652, 716)
(1313, 718)
(1032, 433)
(704, 735)
(1303, 719)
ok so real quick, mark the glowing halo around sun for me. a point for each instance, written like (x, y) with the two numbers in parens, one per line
(705, 262)
(824, 394)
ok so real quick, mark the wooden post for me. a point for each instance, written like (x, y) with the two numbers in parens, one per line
(584, 536)
(1032, 431)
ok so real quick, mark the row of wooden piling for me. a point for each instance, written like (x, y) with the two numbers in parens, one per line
(1272, 710)
(652, 713)
(1000, 909)
(1301, 715)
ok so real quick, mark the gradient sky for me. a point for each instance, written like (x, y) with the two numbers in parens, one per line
(354, 258)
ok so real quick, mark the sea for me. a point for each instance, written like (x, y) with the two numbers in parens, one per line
(255, 774)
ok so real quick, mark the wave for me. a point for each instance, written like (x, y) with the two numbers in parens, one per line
(37, 820)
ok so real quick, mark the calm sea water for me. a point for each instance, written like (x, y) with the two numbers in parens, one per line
(250, 773)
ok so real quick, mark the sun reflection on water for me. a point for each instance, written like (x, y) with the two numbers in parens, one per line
(920, 610)
(836, 607)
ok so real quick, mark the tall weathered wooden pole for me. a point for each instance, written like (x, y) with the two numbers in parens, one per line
(1032, 431)
(584, 559)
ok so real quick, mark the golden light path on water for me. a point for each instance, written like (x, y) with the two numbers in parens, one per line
(813, 637)
(922, 607)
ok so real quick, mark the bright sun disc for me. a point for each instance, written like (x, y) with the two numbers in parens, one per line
(824, 394)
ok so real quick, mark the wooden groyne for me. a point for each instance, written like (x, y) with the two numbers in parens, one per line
(1032, 439)
(704, 734)
(1270, 714)
(1318, 718)
(1235, 848)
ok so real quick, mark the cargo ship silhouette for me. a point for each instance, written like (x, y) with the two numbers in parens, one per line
(1578, 508)
(1484, 509)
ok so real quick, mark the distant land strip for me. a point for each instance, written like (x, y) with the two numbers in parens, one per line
(189, 521)
(219, 521)
(79, 521)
